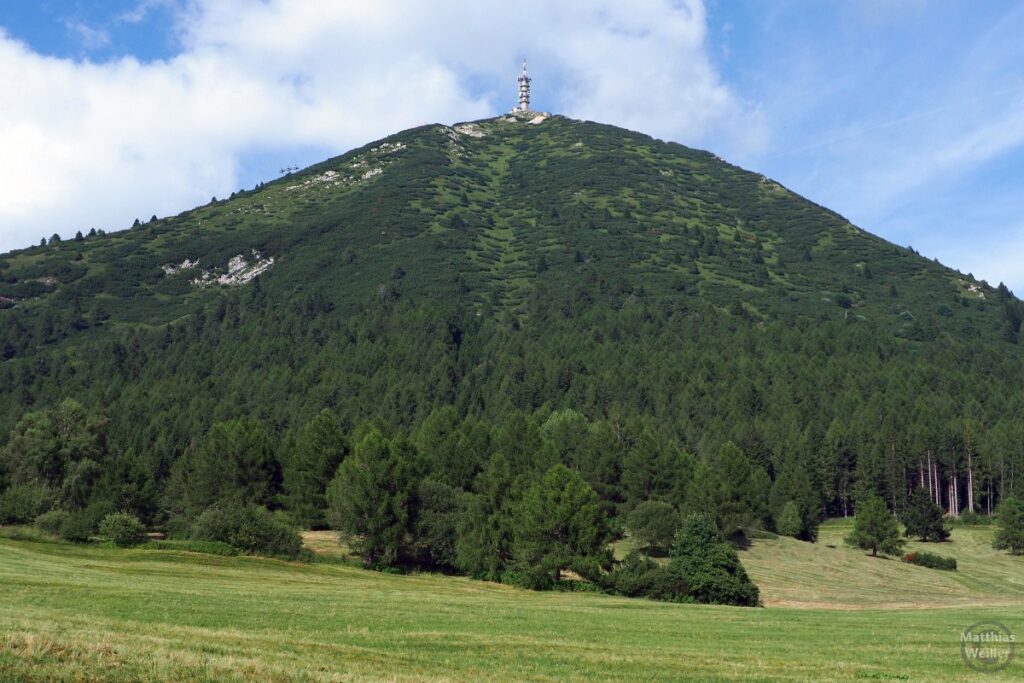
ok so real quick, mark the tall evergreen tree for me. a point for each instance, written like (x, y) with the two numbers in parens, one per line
(234, 464)
(484, 545)
(1010, 534)
(311, 464)
(371, 497)
(923, 518)
(875, 528)
(731, 489)
(558, 522)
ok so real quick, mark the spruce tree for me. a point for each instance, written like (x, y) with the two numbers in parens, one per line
(370, 499)
(788, 522)
(875, 528)
(923, 518)
(1010, 535)
(558, 522)
(732, 489)
(484, 545)
(311, 463)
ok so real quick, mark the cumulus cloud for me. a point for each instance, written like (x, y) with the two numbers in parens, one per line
(97, 144)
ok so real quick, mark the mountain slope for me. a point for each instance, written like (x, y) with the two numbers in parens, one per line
(512, 208)
(512, 265)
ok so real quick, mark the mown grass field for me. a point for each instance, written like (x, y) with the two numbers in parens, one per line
(103, 614)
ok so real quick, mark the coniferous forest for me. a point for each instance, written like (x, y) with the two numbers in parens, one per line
(493, 348)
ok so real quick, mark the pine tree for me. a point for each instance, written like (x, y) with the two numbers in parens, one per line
(312, 462)
(788, 522)
(484, 544)
(1010, 535)
(370, 499)
(558, 521)
(654, 524)
(923, 518)
(875, 528)
(731, 489)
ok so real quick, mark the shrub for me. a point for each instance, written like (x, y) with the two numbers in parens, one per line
(77, 528)
(26, 533)
(636, 576)
(969, 518)
(930, 560)
(250, 529)
(21, 504)
(708, 566)
(123, 528)
(207, 547)
(52, 521)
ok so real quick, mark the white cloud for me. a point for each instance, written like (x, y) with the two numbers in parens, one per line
(89, 37)
(142, 9)
(95, 145)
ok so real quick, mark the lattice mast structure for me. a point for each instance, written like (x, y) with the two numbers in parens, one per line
(524, 90)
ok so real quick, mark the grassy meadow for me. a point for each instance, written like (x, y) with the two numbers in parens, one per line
(103, 614)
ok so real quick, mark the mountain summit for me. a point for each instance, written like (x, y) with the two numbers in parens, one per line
(491, 213)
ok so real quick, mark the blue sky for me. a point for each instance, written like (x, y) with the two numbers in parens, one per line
(905, 116)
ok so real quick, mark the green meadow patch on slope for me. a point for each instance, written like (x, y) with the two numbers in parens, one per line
(105, 614)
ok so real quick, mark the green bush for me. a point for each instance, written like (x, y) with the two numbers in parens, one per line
(930, 560)
(635, 576)
(250, 529)
(969, 518)
(77, 528)
(207, 547)
(123, 528)
(52, 521)
(26, 533)
(23, 503)
(638, 576)
(709, 567)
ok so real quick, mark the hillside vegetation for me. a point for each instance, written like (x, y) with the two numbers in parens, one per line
(494, 316)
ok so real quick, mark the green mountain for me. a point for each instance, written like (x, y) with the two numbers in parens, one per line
(526, 267)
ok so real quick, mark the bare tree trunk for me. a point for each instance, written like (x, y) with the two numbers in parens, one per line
(970, 482)
(920, 475)
(1002, 477)
(956, 496)
(931, 489)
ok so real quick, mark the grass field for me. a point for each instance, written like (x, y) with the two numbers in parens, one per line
(94, 613)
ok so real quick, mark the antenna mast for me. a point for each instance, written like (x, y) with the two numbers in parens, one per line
(524, 90)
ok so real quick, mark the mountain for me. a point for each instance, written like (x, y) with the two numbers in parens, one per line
(524, 265)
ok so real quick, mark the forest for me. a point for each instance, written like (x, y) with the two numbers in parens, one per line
(493, 326)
